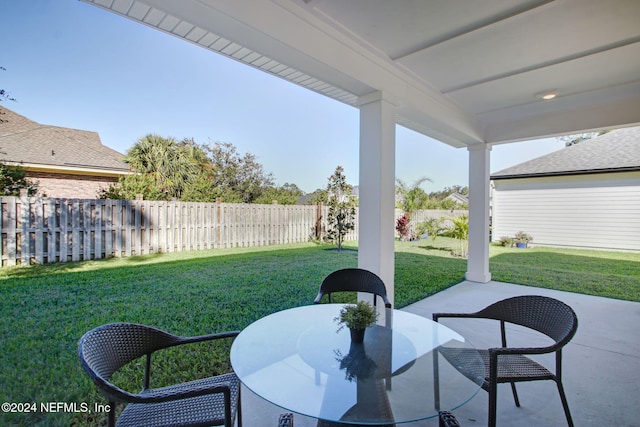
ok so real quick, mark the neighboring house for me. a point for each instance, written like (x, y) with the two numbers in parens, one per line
(458, 199)
(586, 195)
(66, 163)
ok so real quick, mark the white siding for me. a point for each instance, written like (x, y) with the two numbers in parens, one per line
(591, 211)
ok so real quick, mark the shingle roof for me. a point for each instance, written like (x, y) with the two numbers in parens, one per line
(28, 142)
(459, 198)
(618, 150)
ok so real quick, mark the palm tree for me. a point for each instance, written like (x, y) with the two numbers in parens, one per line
(413, 197)
(460, 230)
(171, 164)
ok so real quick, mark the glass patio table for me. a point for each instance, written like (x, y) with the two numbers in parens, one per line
(297, 360)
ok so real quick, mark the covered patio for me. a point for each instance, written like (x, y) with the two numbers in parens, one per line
(469, 75)
(600, 364)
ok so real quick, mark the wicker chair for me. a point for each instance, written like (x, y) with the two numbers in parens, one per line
(353, 280)
(509, 364)
(205, 402)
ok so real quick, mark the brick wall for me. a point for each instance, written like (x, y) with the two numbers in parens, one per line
(69, 186)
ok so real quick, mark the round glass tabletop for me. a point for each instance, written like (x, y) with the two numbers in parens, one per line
(297, 359)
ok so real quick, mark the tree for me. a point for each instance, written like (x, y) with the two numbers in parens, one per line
(163, 168)
(129, 186)
(236, 178)
(319, 196)
(287, 194)
(167, 169)
(460, 230)
(172, 164)
(412, 198)
(13, 179)
(342, 211)
(4, 95)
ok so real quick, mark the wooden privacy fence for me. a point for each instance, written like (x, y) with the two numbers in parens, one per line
(42, 230)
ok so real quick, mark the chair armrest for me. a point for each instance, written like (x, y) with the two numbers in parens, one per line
(522, 350)
(318, 298)
(183, 391)
(386, 301)
(164, 394)
(209, 337)
(436, 316)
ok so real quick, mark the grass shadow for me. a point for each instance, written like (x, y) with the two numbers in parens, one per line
(435, 248)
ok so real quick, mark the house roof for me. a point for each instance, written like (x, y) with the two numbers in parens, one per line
(458, 198)
(618, 150)
(38, 146)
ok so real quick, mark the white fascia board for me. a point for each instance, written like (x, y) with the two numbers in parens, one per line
(72, 170)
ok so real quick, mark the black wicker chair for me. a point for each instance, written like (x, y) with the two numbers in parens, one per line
(353, 280)
(205, 402)
(509, 364)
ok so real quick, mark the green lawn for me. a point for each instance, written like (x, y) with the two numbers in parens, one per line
(46, 309)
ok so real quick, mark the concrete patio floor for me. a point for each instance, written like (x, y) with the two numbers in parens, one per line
(601, 365)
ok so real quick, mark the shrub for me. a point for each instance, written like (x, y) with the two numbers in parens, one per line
(402, 226)
(432, 226)
(506, 241)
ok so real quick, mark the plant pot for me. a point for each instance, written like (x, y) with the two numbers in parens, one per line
(521, 245)
(357, 335)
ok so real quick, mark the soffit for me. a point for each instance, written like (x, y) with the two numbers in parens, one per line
(461, 72)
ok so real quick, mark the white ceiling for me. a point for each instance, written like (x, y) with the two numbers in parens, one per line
(463, 72)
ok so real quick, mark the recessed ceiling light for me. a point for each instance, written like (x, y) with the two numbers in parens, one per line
(548, 95)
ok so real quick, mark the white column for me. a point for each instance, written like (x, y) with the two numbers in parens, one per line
(479, 181)
(377, 187)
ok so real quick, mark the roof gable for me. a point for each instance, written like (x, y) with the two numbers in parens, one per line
(458, 198)
(618, 150)
(30, 143)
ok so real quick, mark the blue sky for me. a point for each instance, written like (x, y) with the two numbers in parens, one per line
(74, 65)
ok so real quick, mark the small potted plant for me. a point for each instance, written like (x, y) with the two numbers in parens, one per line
(357, 317)
(522, 239)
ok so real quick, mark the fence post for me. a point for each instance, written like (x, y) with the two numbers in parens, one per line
(319, 221)
(220, 226)
(108, 228)
(40, 231)
(86, 225)
(52, 225)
